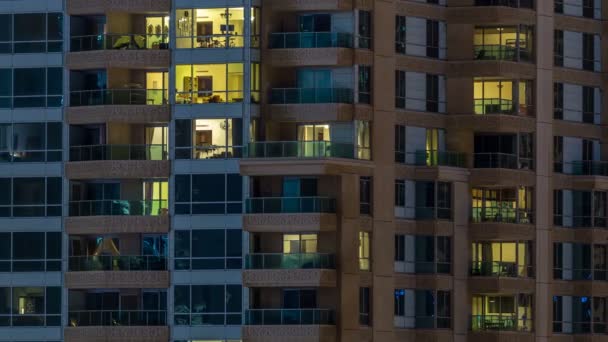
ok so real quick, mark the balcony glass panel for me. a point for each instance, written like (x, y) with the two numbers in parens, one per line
(507, 3)
(126, 41)
(304, 40)
(118, 318)
(277, 205)
(439, 158)
(289, 317)
(290, 261)
(118, 152)
(311, 95)
(101, 97)
(300, 149)
(117, 263)
(119, 207)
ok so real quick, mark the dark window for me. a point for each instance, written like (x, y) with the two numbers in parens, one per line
(400, 88)
(399, 193)
(558, 48)
(209, 194)
(365, 84)
(400, 144)
(588, 104)
(588, 51)
(558, 101)
(432, 38)
(30, 27)
(432, 93)
(558, 153)
(208, 305)
(208, 249)
(365, 195)
(364, 306)
(365, 30)
(400, 34)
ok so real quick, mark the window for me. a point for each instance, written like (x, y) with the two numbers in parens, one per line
(576, 261)
(365, 84)
(31, 87)
(214, 27)
(422, 254)
(502, 259)
(364, 306)
(31, 252)
(365, 30)
(419, 91)
(31, 33)
(579, 315)
(30, 306)
(30, 142)
(577, 50)
(365, 195)
(209, 83)
(207, 304)
(510, 205)
(400, 150)
(364, 251)
(422, 309)
(558, 48)
(513, 43)
(423, 200)
(208, 138)
(503, 97)
(208, 194)
(502, 312)
(30, 197)
(204, 249)
(420, 37)
(558, 101)
(578, 208)
(588, 51)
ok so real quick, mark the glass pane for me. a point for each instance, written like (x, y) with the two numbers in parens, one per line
(28, 191)
(28, 245)
(208, 188)
(29, 81)
(31, 26)
(208, 243)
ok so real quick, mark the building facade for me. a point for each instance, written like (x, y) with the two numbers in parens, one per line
(288, 170)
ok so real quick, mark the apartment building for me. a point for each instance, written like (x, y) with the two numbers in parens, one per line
(303, 171)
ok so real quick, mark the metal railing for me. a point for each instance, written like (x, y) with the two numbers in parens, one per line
(118, 207)
(300, 40)
(500, 269)
(277, 205)
(500, 322)
(290, 261)
(501, 52)
(135, 96)
(581, 221)
(311, 95)
(497, 160)
(589, 168)
(580, 327)
(289, 317)
(117, 317)
(117, 263)
(215, 41)
(432, 213)
(300, 149)
(439, 158)
(118, 152)
(503, 215)
(119, 41)
(423, 267)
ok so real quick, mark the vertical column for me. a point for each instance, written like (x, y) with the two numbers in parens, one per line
(544, 162)
(383, 129)
(461, 299)
(347, 255)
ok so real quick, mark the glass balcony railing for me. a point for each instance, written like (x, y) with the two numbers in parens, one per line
(497, 160)
(117, 263)
(100, 97)
(273, 261)
(589, 168)
(303, 40)
(117, 318)
(501, 52)
(118, 207)
(439, 158)
(507, 3)
(501, 322)
(118, 152)
(502, 215)
(311, 95)
(279, 205)
(289, 317)
(127, 41)
(300, 149)
(433, 213)
(500, 269)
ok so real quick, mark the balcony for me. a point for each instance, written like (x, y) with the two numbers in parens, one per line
(117, 263)
(501, 53)
(285, 214)
(75, 7)
(502, 215)
(307, 40)
(261, 325)
(292, 49)
(305, 149)
(290, 270)
(310, 5)
(118, 161)
(289, 317)
(501, 322)
(118, 208)
(506, 3)
(118, 97)
(438, 158)
(119, 51)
